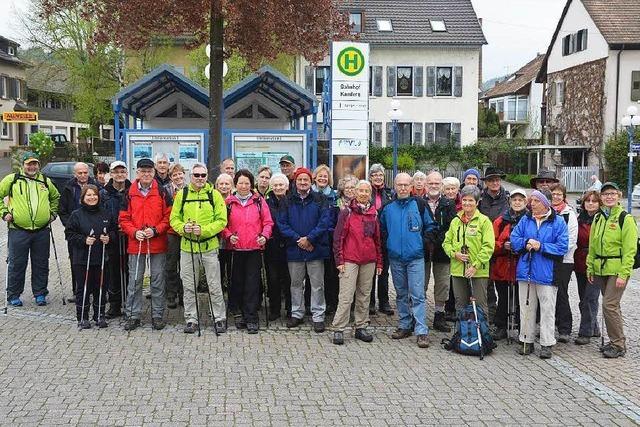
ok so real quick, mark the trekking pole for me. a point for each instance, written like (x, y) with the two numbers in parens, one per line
(123, 250)
(213, 316)
(472, 298)
(265, 285)
(147, 264)
(55, 255)
(86, 280)
(509, 302)
(526, 312)
(6, 278)
(195, 281)
(135, 277)
(104, 249)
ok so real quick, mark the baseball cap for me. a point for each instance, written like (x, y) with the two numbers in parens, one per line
(145, 163)
(288, 159)
(609, 184)
(30, 156)
(117, 164)
(519, 191)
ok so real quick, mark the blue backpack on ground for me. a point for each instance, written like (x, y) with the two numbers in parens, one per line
(465, 340)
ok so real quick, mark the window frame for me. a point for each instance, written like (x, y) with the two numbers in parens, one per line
(435, 132)
(437, 28)
(403, 125)
(315, 78)
(352, 26)
(5, 89)
(451, 76)
(11, 51)
(383, 28)
(410, 90)
(3, 126)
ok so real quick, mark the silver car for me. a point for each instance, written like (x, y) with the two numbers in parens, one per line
(635, 196)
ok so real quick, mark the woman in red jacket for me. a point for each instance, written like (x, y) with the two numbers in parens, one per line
(503, 263)
(588, 292)
(249, 225)
(358, 255)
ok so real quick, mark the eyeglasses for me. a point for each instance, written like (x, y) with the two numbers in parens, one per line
(609, 194)
(199, 175)
(557, 195)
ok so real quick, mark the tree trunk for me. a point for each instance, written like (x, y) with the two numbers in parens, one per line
(215, 87)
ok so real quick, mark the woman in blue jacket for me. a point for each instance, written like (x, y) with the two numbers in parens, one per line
(542, 239)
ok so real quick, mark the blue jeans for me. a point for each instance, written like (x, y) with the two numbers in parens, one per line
(408, 279)
(22, 245)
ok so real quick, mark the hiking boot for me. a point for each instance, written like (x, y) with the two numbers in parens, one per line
(113, 312)
(172, 303)
(604, 347)
(400, 333)
(131, 324)
(41, 300)
(613, 352)
(372, 310)
(294, 322)
(273, 316)
(338, 338)
(525, 349)
(386, 309)
(546, 352)
(564, 338)
(101, 322)
(423, 341)
(331, 309)
(499, 334)
(190, 328)
(363, 335)
(158, 324)
(240, 323)
(582, 340)
(252, 328)
(318, 327)
(221, 327)
(440, 323)
(15, 302)
(84, 324)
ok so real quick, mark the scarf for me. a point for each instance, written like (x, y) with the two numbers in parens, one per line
(560, 207)
(364, 207)
(244, 199)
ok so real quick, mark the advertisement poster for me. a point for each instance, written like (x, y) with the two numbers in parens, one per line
(349, 165)
(142, 151)
(188, 155)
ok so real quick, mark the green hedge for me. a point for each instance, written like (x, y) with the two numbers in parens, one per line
(521, 180)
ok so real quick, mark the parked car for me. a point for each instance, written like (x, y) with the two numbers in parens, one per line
(61, 172)
(59, 139)
(635, 196)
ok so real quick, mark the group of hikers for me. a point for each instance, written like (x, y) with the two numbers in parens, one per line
(289, 236)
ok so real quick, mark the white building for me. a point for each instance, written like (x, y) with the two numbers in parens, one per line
(423, 53)
(592, 74)
(12, 94)
(518, 101)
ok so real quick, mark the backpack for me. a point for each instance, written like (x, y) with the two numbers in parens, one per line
(636, 259)
(185, 192)
(465, 339)
(16, 176)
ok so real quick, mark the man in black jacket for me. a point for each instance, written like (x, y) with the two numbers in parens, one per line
(70, 201)
(443, 211)
(112, 196)
(380, 196)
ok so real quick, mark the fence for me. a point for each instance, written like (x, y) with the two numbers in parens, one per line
(388, 175)
(577, 179)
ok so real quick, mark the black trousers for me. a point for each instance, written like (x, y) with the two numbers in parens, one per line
(331, 282)
(93, 291)
(564, 320)
(450, 306)
(245, 284)
(117, 263)
(279, 284)
(504, 300)
(383, 284)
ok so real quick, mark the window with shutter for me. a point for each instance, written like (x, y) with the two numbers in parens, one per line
(3, 87)
(582, 40)
(418, 81)
(389, 134)
(457, 81)
(405, 133)
(377, 134)
(560, 93)
(429, 133)
(443, 133)
(417, 133)
(391, 81)
(566, 45)
(431, 81)
(456, 134)
(5, 129)
(444, 81)
(404, 81)
(635, 85)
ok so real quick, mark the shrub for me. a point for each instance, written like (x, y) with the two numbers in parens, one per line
(521, 180)
(615, 154)
(42, 145)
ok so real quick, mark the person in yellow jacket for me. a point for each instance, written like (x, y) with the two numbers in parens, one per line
(469, 243)
(32, 204)
(199, 214)
(612, 251)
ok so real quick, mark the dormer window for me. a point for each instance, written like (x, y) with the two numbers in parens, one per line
(384, 25)
(437, 25)
(11, 50)
(355, 22)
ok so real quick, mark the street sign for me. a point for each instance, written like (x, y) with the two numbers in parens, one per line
(20, 117)
(635, 147)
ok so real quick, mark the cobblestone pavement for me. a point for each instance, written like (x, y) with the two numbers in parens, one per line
(50, 373)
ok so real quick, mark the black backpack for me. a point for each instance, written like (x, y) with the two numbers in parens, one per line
(636, 259)
(185, 192)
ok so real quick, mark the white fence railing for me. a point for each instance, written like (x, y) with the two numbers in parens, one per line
(577, 179)
(388, 175)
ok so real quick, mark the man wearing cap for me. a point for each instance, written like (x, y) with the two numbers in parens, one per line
(304, 222)
(32, 205)
(112, 196)
(144, 219)
(288, 168)
(494, 201)
(543, 180)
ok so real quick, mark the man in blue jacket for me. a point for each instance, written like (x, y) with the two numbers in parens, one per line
(304, 221)
(404, 223)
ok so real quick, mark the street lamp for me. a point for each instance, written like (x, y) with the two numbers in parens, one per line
(630, 121)
(395, 114)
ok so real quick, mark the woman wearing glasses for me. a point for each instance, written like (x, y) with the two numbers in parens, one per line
(612, 250)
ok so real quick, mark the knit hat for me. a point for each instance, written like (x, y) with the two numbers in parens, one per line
(471, 171)
(300, 171)
(541, 197)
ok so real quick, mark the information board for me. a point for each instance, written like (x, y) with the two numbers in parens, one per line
(253, 150)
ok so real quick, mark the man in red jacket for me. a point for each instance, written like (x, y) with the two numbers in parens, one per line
(144, 218)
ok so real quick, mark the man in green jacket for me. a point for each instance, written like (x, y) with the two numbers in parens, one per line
(31, 205)
(199, 213)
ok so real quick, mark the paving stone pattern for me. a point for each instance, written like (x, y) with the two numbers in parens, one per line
(51, 373)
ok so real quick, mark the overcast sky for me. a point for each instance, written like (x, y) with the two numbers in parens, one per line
(515, 29)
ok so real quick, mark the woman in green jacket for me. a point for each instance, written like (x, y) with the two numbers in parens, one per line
(609, 262)
(469, 242)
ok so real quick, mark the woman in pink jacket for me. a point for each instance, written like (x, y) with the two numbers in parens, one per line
(249, 225)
